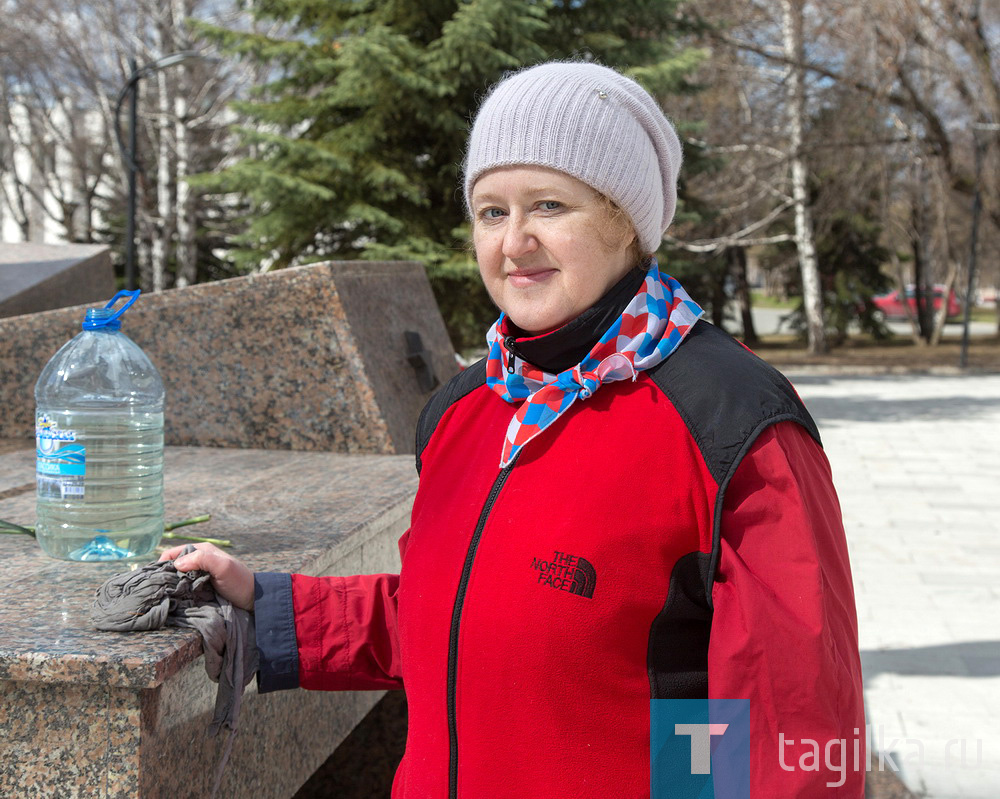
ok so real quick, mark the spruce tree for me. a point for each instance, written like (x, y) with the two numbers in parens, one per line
(359, 138)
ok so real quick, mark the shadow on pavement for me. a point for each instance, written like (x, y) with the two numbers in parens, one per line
(832, 379)
(967, 659)
(870, 408)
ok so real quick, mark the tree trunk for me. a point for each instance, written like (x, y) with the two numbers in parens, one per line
(812, 290)
(87, 223)
(187, 267)
(901, 288)
(738, 268)
(142, 259)
(941, 315)
(15, 202)
(11, 190)
(162, 229)
(718, 303)
(919, 276)
(920, 244)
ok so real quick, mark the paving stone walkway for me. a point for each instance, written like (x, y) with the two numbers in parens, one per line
(916, 461)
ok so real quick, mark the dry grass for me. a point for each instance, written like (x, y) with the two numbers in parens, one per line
(898, 354)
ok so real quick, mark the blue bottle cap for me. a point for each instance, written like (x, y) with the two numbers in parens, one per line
(105, 317)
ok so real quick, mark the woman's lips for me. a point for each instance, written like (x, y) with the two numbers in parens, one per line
(526, 279)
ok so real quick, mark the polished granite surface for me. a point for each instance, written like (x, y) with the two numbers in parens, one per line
(283, 511)
(304, 358)
(126, 715)
(14, 444)
(289, 397)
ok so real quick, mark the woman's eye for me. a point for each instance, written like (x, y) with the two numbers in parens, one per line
(491, 213)
(549, 205)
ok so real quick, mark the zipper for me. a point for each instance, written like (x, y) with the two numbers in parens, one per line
(456, 618)
(511, 344)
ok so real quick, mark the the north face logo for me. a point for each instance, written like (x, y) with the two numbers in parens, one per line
(566, 572)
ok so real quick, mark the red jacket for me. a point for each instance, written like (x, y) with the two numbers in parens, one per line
(675, 537)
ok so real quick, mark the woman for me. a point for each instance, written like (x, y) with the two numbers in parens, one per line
(619, 503)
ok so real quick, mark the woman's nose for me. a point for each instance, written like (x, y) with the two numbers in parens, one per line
(518, 238)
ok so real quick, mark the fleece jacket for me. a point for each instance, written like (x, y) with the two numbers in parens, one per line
(677, 536)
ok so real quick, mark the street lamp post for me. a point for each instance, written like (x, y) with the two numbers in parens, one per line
(131, 89)
(977, 205)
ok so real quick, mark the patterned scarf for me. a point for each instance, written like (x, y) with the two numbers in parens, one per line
(650, 328)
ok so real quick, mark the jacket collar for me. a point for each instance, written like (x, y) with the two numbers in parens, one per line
(566, 346)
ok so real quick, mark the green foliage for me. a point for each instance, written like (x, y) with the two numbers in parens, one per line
(706, 276)
(850, 265)
(360, 135)
(850, 262)
(847, 208)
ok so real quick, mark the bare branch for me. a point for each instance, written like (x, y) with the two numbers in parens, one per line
(718, 245)
(741, 238)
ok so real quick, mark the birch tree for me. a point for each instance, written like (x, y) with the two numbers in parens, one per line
(53, 145)
(812, 294)
(762, 192)
(933, 67)
(72, 63)
(13, 188)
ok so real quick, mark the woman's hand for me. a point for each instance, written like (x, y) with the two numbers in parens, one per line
(231, 578)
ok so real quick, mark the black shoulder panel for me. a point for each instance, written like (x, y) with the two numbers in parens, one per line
(465, 382)
(726, 396)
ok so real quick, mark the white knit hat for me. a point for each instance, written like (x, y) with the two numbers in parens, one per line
(590, 122)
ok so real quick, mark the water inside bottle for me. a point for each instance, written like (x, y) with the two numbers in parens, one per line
(116, 511)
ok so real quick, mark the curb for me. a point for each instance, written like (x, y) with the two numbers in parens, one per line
(883, 371)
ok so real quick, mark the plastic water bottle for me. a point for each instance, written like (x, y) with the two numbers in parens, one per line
(99, 436)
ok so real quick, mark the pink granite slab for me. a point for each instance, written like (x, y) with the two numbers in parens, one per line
(311, 358)
(126, 715)
(17, 469)
(283, 511)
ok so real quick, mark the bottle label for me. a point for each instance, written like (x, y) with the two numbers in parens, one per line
(60, 462)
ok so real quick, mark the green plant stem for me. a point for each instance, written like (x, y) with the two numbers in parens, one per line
(17, 529)
(10, 527)
(186, 522)
(219, 542)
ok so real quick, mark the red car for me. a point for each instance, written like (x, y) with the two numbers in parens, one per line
(892, 306)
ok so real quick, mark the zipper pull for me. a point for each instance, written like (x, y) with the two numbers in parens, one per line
(508, 343)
